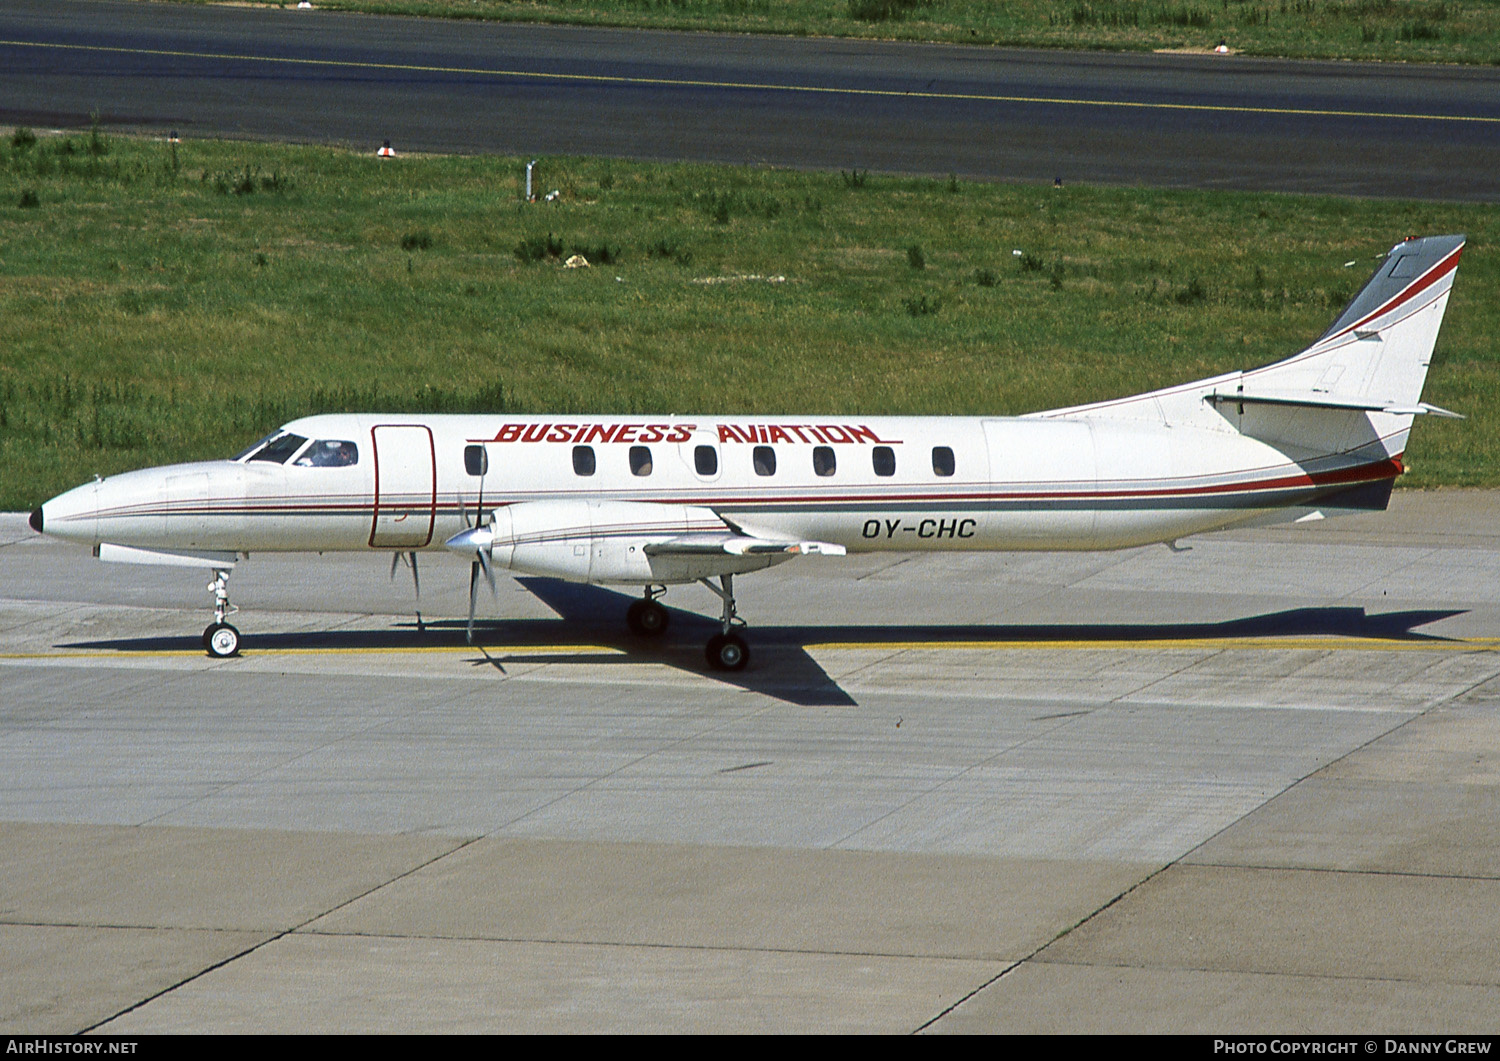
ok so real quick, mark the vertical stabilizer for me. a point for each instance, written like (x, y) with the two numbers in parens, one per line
(1353, 392)
(1376, 354)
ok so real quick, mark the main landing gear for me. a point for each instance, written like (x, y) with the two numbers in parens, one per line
(221, 639)
(725, 651)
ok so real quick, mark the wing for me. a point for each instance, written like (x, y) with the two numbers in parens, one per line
(731, 543)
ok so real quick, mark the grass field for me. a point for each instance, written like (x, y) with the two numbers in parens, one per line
(162, 303)
(1466, 31)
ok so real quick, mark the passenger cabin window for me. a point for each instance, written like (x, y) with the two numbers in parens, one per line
(824, 462)
(942, 460)
(706, 460)
(583, 460)
(476, 460)
(764, 459)
(329, 454)
(640, 460)
(884, 460)
(279, 449)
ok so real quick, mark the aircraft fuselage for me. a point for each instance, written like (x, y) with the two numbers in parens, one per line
(872, 483)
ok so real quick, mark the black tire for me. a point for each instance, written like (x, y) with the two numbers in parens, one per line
(647, 618)
(222, 641)
(727, 652)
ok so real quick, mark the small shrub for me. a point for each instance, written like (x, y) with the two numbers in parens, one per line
(419, 240)
(662, 248)
(915, 258)
(29, 199)
(1030, 263)
(23, 139)
(1056, 278)
(985, 278)
(246, 181)
(922, 306)
(535, 248)
(598, 254)
(98, 145)
(1183, 16)
(884, 10)
(855, 179)
(665, 248)
(1192, 294)
(1089, 15)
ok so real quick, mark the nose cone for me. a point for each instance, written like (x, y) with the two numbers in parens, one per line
(73, 515)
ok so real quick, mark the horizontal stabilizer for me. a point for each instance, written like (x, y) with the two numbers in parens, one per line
(1314, 400)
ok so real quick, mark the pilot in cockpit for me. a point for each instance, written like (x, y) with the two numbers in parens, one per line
(328, 454)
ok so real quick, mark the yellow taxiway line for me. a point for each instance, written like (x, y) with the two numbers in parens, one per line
(1325, 644)
(768, 86)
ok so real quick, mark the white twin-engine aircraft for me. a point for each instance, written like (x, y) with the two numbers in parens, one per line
(656, 501)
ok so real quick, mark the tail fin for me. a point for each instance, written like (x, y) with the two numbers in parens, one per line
(1354, 391)
(1375, 355)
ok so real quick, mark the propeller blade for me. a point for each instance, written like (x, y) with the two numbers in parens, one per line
(473, 587)
(395, 559)
(489, 571)
(416, 580)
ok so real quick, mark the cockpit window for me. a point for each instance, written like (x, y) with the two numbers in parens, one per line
(329, 454)
(242, 454)
(279, 449)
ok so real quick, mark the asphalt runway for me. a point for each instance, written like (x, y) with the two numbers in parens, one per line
(1393, 130)
(1248, 786)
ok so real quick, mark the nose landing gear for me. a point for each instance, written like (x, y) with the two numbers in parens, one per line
(647, 617)
(221, 639)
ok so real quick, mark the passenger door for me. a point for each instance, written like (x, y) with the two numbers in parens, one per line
(405, 486)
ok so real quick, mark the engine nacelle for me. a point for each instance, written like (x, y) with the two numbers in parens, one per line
(603, 541)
